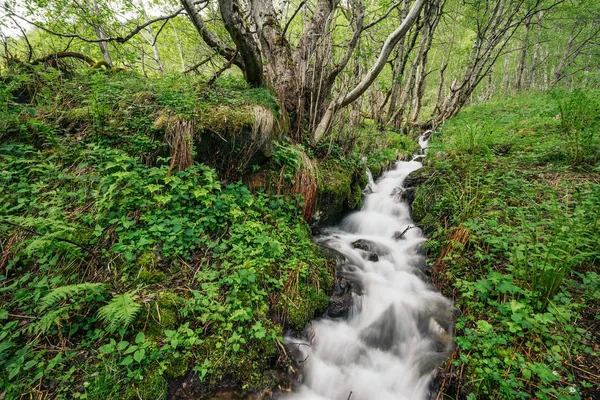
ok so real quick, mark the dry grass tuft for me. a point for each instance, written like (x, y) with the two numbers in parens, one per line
(305, 183)
(456, 242)
(179, 133)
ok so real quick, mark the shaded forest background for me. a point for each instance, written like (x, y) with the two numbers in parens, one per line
(316, 55)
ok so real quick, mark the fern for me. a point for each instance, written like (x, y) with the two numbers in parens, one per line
(63, 292)
(49, 320)
(120, 311)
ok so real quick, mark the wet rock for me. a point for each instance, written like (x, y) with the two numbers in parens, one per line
(370, 246)
(186, 387)
(341, 302)
(408, 195)
(383, 333)
(372, 256)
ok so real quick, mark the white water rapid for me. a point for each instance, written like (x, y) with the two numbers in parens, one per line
(399, 328)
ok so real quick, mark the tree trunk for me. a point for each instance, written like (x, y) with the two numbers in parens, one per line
(245, 43)
(536, 53)
(92, 6)
(523, 58)
(151, 40)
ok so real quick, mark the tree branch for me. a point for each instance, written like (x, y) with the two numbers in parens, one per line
(363, 85)
(384, 16)
(292, 18)
(118, 39)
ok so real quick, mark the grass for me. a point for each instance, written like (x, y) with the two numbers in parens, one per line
(512, 213)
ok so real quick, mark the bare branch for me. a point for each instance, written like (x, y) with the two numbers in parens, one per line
(384, 16)
(118, 39)
(292, 18)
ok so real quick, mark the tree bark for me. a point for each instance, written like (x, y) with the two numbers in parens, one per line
(523, 58)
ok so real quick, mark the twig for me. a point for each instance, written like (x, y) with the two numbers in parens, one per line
(225, 67)
(583, 370)
(287, 25)
(403, 232)
(349, 395)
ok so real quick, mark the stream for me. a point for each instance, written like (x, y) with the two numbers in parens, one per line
(398, 328)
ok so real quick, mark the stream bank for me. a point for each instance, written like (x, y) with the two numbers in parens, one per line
(512, 213)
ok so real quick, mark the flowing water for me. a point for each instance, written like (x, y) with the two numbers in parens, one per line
(399, 328)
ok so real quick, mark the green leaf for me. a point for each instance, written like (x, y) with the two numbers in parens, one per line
(140, 337)
(126, 361)
(139, 355)
(14, 372)
(122, 345)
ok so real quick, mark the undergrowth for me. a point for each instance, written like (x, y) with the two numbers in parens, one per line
(118, 273)
(513, 215)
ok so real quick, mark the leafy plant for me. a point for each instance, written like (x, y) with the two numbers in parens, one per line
(120, 311)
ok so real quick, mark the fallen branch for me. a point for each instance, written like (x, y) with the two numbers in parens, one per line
(64, 54)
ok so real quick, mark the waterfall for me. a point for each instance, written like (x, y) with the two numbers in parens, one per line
(399, 328)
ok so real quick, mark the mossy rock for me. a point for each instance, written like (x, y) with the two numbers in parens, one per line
(154, 386)
(146, 265)
(335, 188)
(76, 117)
(178, 365)
(163, 314)
(354, 201)
(418, 177)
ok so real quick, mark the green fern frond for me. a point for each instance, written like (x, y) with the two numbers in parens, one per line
(49, 320)
(120, 311)
(63, 292)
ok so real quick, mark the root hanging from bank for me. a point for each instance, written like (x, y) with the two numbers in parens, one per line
(178, 134)
(264, 124)
(305, 183)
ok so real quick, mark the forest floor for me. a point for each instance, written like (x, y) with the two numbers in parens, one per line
(513, 215)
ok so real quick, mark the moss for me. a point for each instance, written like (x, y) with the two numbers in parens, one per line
(178, 365)
(225, 120)
(153, 386)
(146, 265)
(77, 116)
(309, 304)
(163, 314)
(354, 201)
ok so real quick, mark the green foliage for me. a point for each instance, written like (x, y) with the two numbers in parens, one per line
(120, 311)
(580, 124)
(209, 273)
(63, 292)
(514, 233)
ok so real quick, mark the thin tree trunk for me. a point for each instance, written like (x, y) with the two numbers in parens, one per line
(371, 75)
(151, 40)
(523, 58)
(92, 6)
(180, 48)
(536, 53)
(506, 75)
